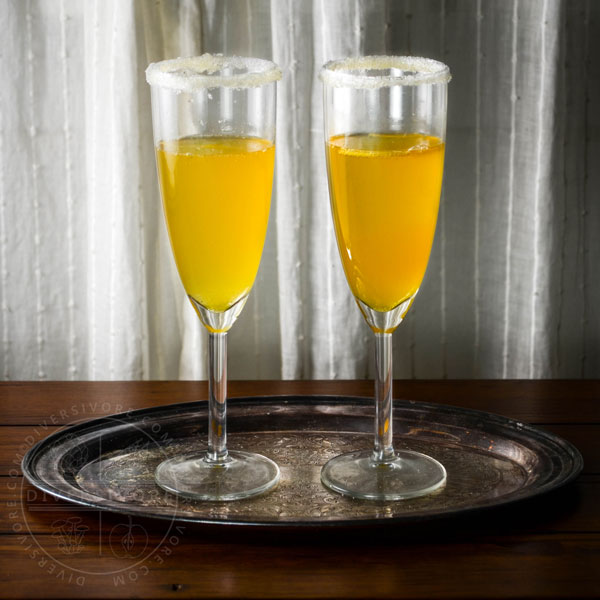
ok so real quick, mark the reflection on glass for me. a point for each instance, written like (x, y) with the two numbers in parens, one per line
(214, 131)
(385, 122)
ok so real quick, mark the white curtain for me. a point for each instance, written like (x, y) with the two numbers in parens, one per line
(88, 286)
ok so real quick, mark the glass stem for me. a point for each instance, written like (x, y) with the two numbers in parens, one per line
(384, 450)
(217, 397)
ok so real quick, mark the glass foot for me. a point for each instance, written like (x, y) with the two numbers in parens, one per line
(409, 475)
(242, 475)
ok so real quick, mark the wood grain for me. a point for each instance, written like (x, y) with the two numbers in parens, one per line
(540, 567)
(15, 441)
(548, 547)
(56, 403)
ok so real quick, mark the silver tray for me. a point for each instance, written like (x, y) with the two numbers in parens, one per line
(109, 463)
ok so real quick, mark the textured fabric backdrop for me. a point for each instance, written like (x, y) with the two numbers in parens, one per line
(88, 287)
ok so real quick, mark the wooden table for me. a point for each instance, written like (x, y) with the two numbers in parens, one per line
(544, 548)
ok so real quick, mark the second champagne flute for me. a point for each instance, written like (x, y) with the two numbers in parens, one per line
(214, 129)
(385, 126)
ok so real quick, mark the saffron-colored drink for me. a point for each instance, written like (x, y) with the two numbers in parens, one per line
(216, 195)
(385, 191)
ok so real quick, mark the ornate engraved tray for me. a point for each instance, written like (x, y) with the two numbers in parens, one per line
(109, 463)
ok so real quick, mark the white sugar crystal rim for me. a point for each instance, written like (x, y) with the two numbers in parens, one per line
(188, 74)
(346, 72)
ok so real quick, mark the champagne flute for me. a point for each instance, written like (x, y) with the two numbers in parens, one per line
(214, 129)
(385, 125)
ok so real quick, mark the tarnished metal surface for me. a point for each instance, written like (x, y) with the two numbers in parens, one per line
(109, 463)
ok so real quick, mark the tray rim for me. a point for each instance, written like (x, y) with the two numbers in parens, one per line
(527, 493)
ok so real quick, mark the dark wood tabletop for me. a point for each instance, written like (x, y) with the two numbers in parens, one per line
(548, 547)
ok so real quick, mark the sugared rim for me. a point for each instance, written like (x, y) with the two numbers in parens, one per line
(188, 74)
(352, 72)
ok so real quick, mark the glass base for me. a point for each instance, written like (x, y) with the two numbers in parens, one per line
(408, 475)
(241, 475)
